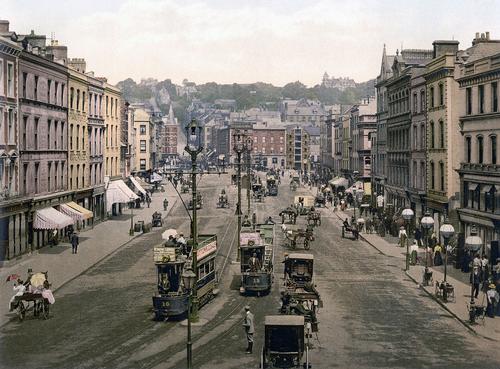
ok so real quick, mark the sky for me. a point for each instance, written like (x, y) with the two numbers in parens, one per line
(226, 41)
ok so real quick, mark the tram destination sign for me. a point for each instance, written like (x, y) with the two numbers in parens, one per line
(207, 249)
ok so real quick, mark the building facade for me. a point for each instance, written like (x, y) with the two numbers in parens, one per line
(144, 129)
(112, 96)
(269, 145)
(297, 149)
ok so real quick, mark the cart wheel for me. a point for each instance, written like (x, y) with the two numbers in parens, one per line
(306, 244)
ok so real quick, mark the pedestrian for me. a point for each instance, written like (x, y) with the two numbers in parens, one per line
(402, 236)
(249, 328)
(148, 200)
(438, 259)
(466, 261)
(492, 299)
(74, 243)
(19, 290)
(475, 279)
(418, 237)
(485, 268)
(165, 205)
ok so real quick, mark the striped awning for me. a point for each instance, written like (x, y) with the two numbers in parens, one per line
(70, 212)
(137, 185)
(87, 214)
(50, 218)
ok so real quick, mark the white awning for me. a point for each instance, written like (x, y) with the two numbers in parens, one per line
(137, 185)
(50, 218)
(87, 214)
(155, 177)
(118, 192)
(72, 213)
(340, 182)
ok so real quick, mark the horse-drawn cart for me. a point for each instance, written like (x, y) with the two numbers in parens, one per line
(294, 235)
(314, 218)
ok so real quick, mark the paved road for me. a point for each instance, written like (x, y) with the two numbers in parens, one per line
(372, 316)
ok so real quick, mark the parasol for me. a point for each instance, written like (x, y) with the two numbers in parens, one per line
(169, 232)
(13, 277)
(37, 279)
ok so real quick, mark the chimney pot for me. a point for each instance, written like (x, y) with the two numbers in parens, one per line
(482, 36)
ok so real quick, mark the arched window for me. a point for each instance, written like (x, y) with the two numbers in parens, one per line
(431, 96)
(441, 94)
(441, 134)
(493, 146)
(468, 149)
(480, 149)
(432, 135)
(441, 175)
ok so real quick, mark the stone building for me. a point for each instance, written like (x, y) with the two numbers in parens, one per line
(399, 124)
(144, 128)
(314, 133)
(297, 148)
(380, 156)
(479, 124)
(96, 128)
(269, 144)
(12, 217)
(112, 96)
(170, 137)
(303, 112)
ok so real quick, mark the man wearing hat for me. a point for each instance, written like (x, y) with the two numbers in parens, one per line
(492, 298)
(249, 328)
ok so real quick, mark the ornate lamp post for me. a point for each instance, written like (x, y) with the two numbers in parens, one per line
(132, 204)
(473, 243)
(354, 191)
(189, 280)
(193, 148)
(407, 216)
(447, 231)
(427, 223)
(238, 148)
(248, 147)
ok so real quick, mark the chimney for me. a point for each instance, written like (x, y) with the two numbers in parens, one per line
(442, 47)
(488, 36)
(58, 52)
(4, 26)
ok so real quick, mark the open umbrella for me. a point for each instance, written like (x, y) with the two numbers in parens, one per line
(13, 277)
(37, 279)
(169, 232)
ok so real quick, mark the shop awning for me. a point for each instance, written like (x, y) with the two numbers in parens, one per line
(340, 182)
(155, 177)
(70, 212)
(137, 186)
(50, 218)
(87, 214)
(144, 185)
(118, 192)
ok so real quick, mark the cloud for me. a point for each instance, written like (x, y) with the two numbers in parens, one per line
(237, 41)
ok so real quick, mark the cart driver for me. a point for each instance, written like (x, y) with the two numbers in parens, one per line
(254, 263)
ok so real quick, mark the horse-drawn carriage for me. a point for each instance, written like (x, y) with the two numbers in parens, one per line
(314, 218)
(304, 204)
(350, 229)
(223, 201)
(293, 186)
(258, 192)
(185, 187)
(291, 213)
(299, 295)
(272, 187)
(284, 343)
(157, 221)
(39, 298)
(294, 235)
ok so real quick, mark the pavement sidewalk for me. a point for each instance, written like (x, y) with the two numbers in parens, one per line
(95, 244)
(456, 306)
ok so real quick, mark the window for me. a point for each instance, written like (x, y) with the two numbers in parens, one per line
(422, 136)
(77, 100)
(63, 134)
(56, 93)
(480, 148)
(49, 127)
(468, 149)
(56, 126)
(432, 135)
(25, 79)
(10, 79)
(441, 134)
(116, 108)
(83, 138)
(441, 175)
(71, 96)
(441, 94)
(142, 164)
(25, 127)
(37, 169)
(25, 176)
(1, 77)
(83, 101)
(415, 137)
(143, 145)
(49, 173)
(10, 127)
(481, 98)
(422, 101)
(37, 120)
(71, 137)
(62, 175)
(107, 105)
(468, 100)
(142, 129)
(422, 174)
(431, 96)
(493, 144)
(415, 103)
(112, 105)
(494, 97)
(36, 88)
(432, 176)
(49, 83)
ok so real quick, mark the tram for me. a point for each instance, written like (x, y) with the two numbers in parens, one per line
(171, 300)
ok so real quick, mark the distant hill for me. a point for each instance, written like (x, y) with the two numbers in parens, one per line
(160, 94)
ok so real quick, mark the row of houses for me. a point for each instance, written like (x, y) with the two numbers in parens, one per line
(431, 141)
(65, 136)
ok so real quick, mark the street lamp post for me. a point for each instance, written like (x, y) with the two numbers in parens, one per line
(427, 223)
(193, 148)
(189, 280)
(407, 216)
(131, 230)
(447, 231)
(238, 148)
(473, 243)
(354, 190)
(248, 146)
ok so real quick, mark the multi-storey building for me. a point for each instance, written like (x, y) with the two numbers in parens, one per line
(170, 137)
(144, 128)
(380, 162)
(417, 143)
(43, 134)
(269, 146)
(314, 133)
(112, 96)
(96, 128)
(12, 217)
(479, 124)
(303, 112)
(78, 140)
(399, 124)
(297, 149)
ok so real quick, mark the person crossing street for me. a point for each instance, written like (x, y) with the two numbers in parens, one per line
(249, 328)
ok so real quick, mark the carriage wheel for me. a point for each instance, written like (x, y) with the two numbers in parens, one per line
(343, 232)
(306, 243)
(45, 309)
(21, 311)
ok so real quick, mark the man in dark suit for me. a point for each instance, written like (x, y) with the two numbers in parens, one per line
(249, 328)
(74, 243)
